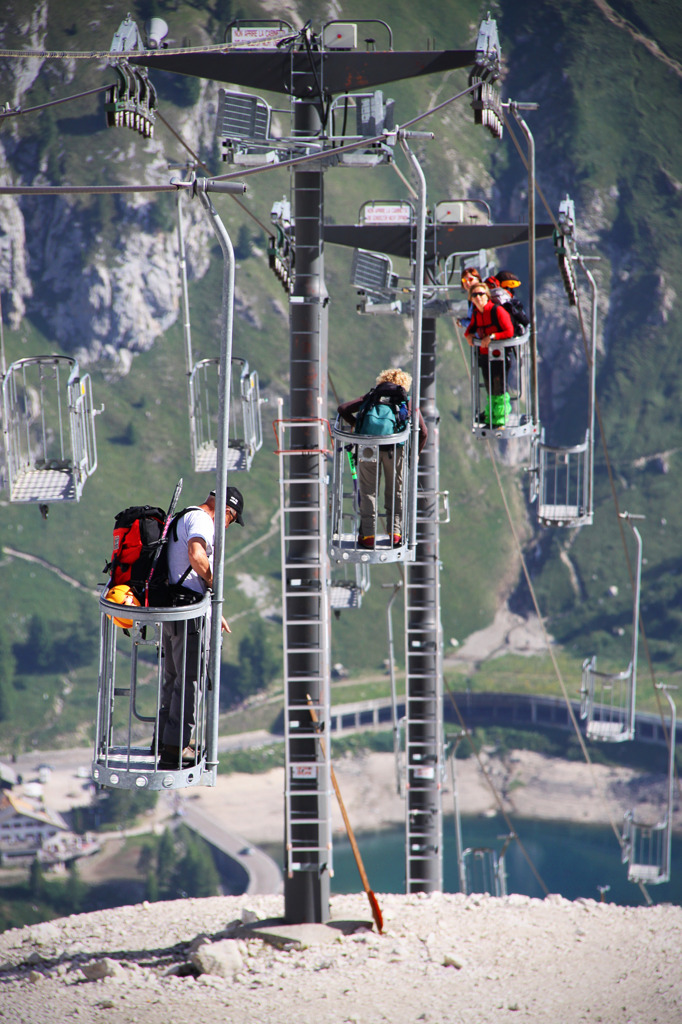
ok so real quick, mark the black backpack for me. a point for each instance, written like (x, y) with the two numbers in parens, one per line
(519, 317)
(138, 546)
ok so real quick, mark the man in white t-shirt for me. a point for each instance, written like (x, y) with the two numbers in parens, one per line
(190, 563)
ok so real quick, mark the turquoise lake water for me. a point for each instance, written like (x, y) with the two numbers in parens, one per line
(573, 860)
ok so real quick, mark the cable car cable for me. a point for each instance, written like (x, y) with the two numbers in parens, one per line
(18, 111)
(113, 55)
(264, 227)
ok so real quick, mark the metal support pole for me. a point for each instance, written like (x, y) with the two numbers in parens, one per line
(459, 845)
(423, 661)
(226, 323)
(417, 319)
(186, 325)
(593, 385)
(394, 696)
(635, 623)
(423, 656)
(515, 108)
(182, 260)
(667, 853)
(308, 642)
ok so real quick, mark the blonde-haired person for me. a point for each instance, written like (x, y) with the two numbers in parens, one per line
(394, 375)
(393, 386)
(469, 277)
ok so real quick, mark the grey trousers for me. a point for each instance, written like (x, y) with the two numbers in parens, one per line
(369, 474)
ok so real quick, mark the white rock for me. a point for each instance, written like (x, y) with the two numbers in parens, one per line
(106, 968)
(453, 961)
(220, 958)
(43, 934)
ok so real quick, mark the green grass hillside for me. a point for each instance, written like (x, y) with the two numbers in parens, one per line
(606, 131)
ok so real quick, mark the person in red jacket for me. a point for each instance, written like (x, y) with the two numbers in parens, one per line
(490, 322)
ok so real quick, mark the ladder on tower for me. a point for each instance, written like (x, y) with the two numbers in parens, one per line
(306, 82)
(424, 699)
(307, 669)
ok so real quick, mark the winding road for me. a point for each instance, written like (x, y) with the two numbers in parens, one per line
(68, 781)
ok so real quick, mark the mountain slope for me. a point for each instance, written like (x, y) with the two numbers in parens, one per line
(98, 277)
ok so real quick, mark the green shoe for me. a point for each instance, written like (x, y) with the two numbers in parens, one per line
(501, 409)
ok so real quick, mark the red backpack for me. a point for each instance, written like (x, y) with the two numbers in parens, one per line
(140, 545)
(137, 536)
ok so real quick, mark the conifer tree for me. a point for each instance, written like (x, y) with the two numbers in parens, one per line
(197, 874)
(7, 666)
(75, 889)
(166, 860)
(36, 880)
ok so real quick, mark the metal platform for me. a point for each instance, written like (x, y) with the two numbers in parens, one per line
(245, 433)
(205, 458)
(137, 768)
(611, 730)
(515, 426)
(44, 485)
(564, 483)
(345, 548)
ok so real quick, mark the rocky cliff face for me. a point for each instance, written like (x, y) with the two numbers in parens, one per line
(98, 274)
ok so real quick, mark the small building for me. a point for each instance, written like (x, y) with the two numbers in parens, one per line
(8, 776)
(26, 827)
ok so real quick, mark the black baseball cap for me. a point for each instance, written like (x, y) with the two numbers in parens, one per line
(234, 499)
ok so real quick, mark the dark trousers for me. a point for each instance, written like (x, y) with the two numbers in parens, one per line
(182, 669)
(494, 376)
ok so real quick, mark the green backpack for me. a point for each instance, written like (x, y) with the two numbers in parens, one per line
(383, 411)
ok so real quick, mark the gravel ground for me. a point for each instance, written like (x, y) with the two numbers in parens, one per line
(442, 959)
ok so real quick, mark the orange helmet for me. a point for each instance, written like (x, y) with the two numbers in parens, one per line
(122, 594)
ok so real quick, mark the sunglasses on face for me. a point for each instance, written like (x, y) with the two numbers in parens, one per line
(477, 295)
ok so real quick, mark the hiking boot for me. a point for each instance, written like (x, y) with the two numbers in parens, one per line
(366, 541)
(169, 757)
